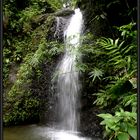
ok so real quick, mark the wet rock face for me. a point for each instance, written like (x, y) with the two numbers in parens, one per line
(90, 122)
(64, 12)
(101, 15)
(61, 23)
(43, 89)
(94, 18)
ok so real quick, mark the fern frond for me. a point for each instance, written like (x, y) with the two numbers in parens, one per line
(116, 58)
(120, 45)
(128, 49)
(116, 43)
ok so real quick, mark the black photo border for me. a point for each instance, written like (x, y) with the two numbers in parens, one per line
(138, 70)
(1, 61)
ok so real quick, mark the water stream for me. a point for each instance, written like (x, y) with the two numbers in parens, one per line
(68, 84)
(68, 76)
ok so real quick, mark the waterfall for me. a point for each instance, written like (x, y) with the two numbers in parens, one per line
(68, 79)
(68, 84)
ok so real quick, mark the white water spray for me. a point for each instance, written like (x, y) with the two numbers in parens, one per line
(68, 78)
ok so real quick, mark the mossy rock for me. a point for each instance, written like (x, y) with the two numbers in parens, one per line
(20, 105)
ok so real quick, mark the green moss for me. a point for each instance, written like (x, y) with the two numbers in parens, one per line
(20, 105)
(55, 4)
(20, 99)
(22, 109)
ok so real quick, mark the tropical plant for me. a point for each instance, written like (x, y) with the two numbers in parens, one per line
(119, 55)
(127, 31)
(121, 126)
(128, 100)
(121, 89)
(96, 73)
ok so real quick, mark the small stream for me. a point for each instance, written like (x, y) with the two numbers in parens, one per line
(25, 132)
(38, 132)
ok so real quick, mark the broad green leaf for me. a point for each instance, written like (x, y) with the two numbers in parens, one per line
(124, 126)
(105, 115)
(114, 127)
(132, 130)
(123, 136)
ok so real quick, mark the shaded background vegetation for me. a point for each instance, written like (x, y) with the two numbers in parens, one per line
(108, 67)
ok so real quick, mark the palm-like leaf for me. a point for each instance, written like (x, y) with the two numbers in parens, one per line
(96, 73)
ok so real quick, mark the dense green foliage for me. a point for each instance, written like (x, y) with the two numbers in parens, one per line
(110, 65)
(121, 126)
(27, 48)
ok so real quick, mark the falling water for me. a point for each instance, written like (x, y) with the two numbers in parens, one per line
(68, 82)
(68, 86)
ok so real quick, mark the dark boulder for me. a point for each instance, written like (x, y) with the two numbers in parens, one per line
(64, 12)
